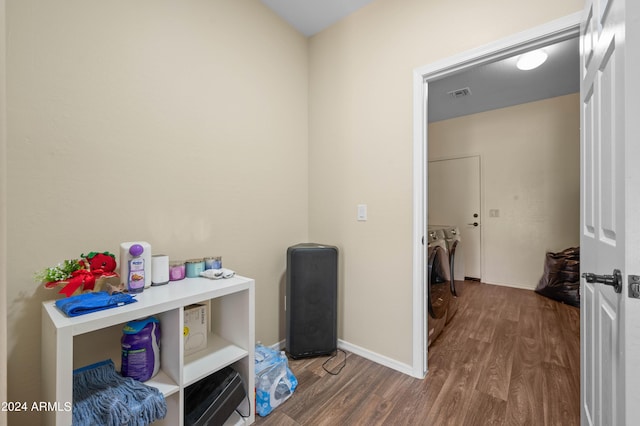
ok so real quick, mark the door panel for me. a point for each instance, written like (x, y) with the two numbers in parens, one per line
(588, 202)
(605, 5)
(603, 212)
(454, 199)
(588, 332)
(609, 326)
(606, 82)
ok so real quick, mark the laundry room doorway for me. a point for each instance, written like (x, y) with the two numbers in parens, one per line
(557, 31)
(454, 200)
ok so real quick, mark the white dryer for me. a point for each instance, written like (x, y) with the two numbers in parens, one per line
(456, 263)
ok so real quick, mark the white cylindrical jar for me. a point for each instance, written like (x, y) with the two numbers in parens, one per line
(159, 269)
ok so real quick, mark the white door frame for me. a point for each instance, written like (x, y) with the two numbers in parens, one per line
(554, 31)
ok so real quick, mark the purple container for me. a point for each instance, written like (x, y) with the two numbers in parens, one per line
(141, 349)
(176, 270)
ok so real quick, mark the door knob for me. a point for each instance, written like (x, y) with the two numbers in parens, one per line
(614, 280)
(474, 223)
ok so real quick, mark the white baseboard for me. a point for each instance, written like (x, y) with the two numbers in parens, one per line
(364, 353)
(521, 286)
(376, 357)
(279, 346)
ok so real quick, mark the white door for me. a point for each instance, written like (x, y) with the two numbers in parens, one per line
(609, 236)
(454, 199)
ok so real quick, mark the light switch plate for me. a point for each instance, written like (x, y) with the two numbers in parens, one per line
(362, 212)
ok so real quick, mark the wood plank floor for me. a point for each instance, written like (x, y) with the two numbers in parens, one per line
(508, 357)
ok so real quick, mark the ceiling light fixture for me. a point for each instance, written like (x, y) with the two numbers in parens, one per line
(531, 60)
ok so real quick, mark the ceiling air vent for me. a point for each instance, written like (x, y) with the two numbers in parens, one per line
(460, 93)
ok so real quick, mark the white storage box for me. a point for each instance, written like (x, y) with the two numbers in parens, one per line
(195, 328)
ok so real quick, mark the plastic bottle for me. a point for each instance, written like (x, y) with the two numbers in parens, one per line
(135, 266)
(135, 280)
(141, 349)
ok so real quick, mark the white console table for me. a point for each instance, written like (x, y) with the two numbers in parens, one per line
(70, 343)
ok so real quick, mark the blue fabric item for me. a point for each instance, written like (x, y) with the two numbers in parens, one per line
(101, 396)
(86, 303)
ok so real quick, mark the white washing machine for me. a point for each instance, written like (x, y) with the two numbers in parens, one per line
(439, 294)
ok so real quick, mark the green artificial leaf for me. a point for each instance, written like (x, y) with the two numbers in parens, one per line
(60, 272)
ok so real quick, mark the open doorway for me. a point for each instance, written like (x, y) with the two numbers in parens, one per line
(525, 126)
(545, 35)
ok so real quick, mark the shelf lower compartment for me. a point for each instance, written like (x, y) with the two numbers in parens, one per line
(234, 420)
(218, 354)
(163, 383)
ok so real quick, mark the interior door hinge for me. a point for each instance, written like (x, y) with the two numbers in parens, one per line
(634, 286)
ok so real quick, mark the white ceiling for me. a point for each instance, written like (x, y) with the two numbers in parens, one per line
(312, 16)
(501, 84)
(492, 86)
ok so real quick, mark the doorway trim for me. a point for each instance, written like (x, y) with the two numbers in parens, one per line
(552, 32)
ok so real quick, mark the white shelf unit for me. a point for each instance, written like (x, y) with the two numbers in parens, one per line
(70, 343)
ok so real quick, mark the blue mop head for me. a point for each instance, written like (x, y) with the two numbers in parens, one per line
(101, 396)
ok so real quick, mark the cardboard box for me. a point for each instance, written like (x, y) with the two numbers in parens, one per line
(195, 328)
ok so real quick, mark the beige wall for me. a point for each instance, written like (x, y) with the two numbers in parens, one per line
(360, 144)
(3, 217)
(530, 167)
(183, 124)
